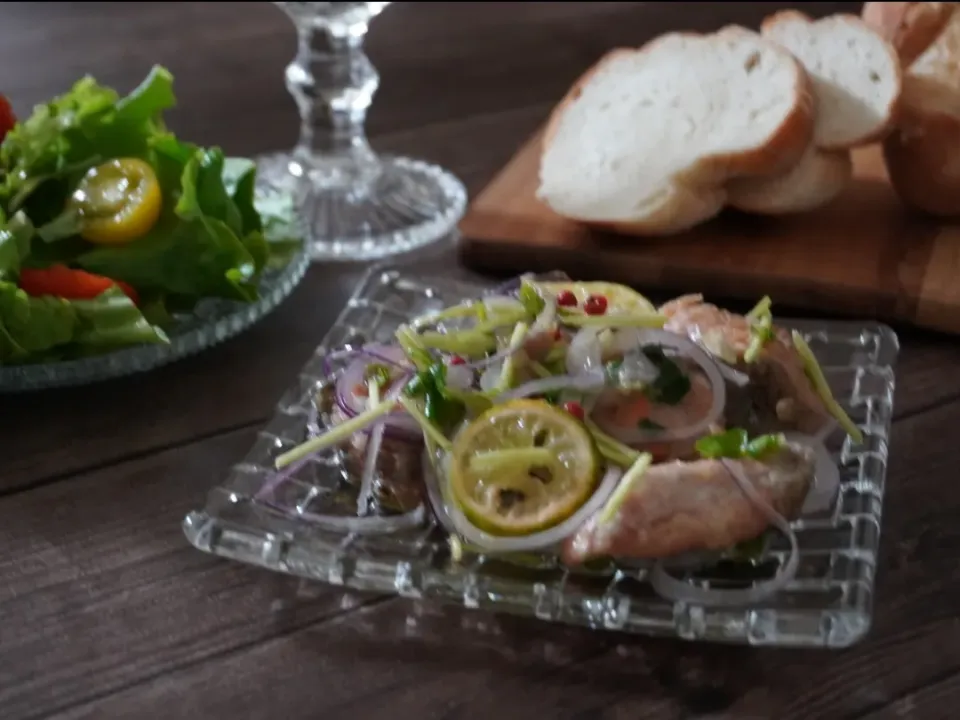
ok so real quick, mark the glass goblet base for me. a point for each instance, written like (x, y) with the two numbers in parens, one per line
(406, 204)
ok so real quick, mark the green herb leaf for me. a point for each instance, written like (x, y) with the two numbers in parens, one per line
(672, 384)
(734, 444)
(647, 424)
(15, 237)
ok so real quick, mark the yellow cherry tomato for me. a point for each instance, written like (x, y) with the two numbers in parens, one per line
(118, 201)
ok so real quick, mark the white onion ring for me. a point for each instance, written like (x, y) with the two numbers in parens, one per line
(682, 591)
(580, 383)
(459, 377)
(490, 377)
(545, 539)
(584, 353)
(689, 349)
(826, 474)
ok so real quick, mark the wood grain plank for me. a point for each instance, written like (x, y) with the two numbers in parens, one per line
(123, 599)
(106, 591)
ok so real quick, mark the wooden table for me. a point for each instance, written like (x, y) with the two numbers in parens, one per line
(107, 612)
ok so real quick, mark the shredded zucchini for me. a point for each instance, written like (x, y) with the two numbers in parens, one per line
(627, 482)
(336, 435)
(815, 374)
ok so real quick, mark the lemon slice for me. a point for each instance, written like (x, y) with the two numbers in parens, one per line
(522, 467)
(621, 299)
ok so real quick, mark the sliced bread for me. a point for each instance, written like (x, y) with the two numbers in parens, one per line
(646, 139)
(843, 55)
(819, 177)
(856, 75)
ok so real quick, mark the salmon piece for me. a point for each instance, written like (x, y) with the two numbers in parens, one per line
(681, 507)
(783, 395)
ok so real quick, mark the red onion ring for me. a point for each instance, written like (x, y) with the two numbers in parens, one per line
(682, 591)
(718, 387)
(397, 425)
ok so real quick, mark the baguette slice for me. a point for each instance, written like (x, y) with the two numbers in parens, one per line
(856, 75)
(851, 110)
(816, 180)
(911, 27)
(645, 140)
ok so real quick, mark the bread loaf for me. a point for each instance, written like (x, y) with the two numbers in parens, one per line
(646, 140)
(923, 154)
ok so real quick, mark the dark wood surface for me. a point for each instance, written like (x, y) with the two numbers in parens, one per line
(105, 610)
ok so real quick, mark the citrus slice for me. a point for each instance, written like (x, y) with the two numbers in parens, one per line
(621, 299)
(522, 467)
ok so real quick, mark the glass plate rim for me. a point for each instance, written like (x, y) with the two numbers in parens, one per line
(233, 318)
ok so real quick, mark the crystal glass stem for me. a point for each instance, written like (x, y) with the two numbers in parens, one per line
(333, 83)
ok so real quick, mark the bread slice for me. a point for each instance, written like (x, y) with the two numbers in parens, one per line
(856, 75)
(923, 155)
(816, 180)
(842, 55)
(911, 27)
(646, 138)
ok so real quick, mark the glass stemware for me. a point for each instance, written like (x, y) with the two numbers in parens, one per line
(355, 204)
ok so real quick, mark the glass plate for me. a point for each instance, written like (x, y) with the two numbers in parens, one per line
(829, 604)
(212, 322)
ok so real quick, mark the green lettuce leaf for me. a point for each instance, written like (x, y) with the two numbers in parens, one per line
(75, 131)
(37, 329)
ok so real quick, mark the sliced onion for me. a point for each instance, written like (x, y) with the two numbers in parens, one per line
(547, 318)
(584, 353)
(398, 425)
(682, 591)
(581, 383)
(689, 349)
(491, 376)
(738, 378)
(459, 377)
(358, 525)
(500, 356)
(537, 541)
(826, 474)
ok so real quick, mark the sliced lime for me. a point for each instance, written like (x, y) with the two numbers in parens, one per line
(522, 467)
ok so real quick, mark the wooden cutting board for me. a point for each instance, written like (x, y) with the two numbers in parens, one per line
(864, 255)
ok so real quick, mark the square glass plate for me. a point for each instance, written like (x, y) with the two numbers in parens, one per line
(828, 604)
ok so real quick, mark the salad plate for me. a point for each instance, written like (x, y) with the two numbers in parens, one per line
(124, 247)
(321, 516)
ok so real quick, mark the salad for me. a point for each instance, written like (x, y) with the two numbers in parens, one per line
(111, 226)
(578, 419)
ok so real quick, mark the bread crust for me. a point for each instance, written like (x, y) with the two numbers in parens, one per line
(819, 178)
(910, 27)
(923, 162)
(768, 26)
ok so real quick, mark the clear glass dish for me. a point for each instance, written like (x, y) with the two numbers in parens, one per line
(828, 604)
